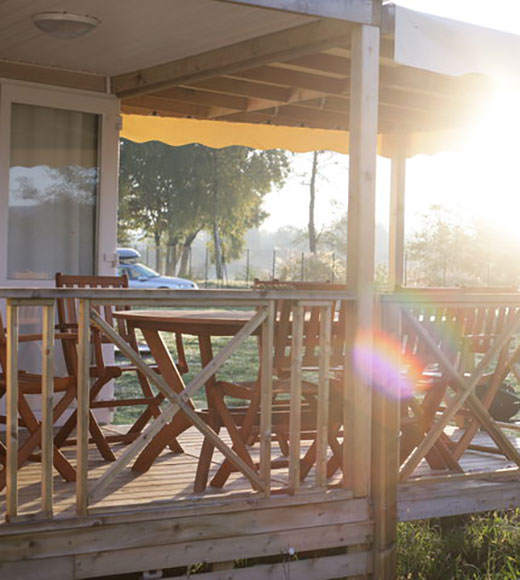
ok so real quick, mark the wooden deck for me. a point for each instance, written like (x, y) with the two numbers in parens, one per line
(154, 521)
(172, 477)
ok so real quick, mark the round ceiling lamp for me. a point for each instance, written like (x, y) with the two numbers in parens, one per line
(65, 25)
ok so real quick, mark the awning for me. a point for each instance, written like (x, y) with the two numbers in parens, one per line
(219, 134)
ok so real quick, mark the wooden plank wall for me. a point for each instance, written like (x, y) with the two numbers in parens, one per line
(267, 527)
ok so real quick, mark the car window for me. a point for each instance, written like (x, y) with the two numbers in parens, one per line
(143, 271)
(130, 272)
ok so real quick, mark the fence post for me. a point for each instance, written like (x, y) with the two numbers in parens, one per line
(206, 266)
(303, 267)
(247, 267)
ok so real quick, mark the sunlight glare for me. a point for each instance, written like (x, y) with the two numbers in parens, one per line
(492, 159)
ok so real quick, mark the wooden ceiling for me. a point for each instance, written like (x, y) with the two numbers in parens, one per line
(297, 77)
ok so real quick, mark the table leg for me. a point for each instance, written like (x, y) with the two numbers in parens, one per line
(221, 416)
(207, 449)
(179, 423)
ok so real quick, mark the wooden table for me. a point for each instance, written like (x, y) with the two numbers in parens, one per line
(203, 324)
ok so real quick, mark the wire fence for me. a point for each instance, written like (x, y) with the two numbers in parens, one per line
(262, 263)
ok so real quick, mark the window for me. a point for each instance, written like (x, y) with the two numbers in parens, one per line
(53, 192)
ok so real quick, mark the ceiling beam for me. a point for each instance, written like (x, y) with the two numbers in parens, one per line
(229, 86)
(290, 78)
(53, 76)
(278, 46)
(357, 11)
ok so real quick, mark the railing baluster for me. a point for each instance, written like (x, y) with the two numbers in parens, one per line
(12, 412)
(296, 398)
(322, 426)
(266, 402)
(83, 407)
(47, 407)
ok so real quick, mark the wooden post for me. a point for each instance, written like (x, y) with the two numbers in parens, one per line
(360, 249)
(83, 407)
(296, 398)
(266, 401)
(385, 459)
(47, 407)
(322, 425)
(11, 498)
(396, 275)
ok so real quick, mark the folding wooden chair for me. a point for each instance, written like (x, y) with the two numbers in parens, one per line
(249, 419)
(463, 334)
(103, 373)
(31, 384)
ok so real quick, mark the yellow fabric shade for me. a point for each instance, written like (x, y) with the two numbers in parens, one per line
(217, 134)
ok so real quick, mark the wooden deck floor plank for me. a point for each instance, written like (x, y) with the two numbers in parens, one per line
(172, 476)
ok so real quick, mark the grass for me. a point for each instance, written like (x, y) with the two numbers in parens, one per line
(474, 547)
(241, 366)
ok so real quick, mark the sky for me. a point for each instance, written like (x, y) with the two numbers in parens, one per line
(479, 182)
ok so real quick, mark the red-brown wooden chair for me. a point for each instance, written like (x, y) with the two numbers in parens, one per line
(281, 379)
(31, 384)
(101, 372)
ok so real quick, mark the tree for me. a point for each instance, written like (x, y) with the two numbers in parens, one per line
(440, 250)
(240, 178)
(444, 253)
(173, 193)
(151, 184)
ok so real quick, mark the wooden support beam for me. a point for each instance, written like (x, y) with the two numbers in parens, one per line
(358, 11)
(396, 273)
(165, 106)
(360, 244)
(385, 456)
(53, 76)
(231, 86)
(196, 96)
(277, 46)
(276, 75)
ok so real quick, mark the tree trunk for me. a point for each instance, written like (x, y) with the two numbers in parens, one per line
(185, 255)
(171, 258)
(218, 252)
(312, 202)
(157, 240)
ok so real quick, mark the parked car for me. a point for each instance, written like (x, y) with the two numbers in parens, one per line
(141, 276)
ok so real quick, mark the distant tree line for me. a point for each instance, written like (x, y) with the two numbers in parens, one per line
(444, 252)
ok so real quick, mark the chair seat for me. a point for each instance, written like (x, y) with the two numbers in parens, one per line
(31, 384)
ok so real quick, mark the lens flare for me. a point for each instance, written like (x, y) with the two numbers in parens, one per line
(377, 361)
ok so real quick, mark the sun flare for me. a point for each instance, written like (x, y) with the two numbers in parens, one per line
(492, 158)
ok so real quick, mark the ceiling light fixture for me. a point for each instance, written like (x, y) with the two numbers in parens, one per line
(65, 25)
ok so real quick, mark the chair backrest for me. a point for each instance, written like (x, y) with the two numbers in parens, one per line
(311, 335)
(68, 313)
(460, 332)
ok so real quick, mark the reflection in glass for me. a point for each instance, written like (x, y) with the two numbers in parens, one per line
(53, 182)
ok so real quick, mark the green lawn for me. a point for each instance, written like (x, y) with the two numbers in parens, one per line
(480, 546)
(242, 366)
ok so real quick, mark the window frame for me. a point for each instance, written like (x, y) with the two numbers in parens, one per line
(104, 105)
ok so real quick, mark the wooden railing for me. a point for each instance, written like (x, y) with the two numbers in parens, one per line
(458, 340)
(266, 304)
